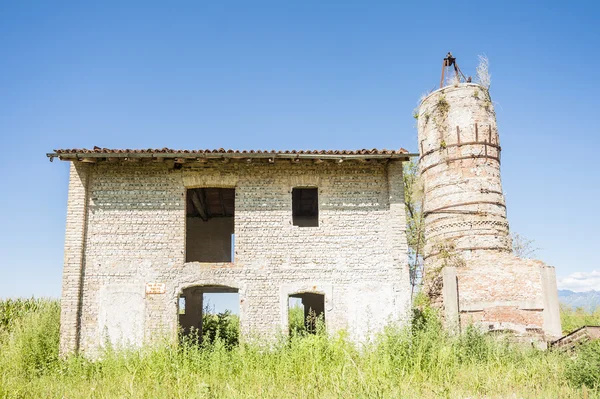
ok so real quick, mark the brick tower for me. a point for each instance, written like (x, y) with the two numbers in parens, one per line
(469, 266)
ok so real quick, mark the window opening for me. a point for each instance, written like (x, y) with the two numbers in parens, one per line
(210, 224)
(181, 305)
(232, 247)
(305, 207)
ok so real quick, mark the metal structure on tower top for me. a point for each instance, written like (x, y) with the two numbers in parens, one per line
(448, 62)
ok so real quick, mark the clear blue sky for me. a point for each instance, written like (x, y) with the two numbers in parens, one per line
(292, 75)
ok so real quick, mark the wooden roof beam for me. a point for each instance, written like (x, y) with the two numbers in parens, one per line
(199, 204)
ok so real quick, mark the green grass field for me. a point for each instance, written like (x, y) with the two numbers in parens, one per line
(418, 362)
(572, 319)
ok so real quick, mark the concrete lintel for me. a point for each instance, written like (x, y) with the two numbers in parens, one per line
(204, 179)
(305, 181)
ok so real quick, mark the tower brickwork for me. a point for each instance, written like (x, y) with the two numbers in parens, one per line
(469, 267)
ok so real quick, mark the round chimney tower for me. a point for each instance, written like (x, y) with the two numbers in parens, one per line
(469, 268)
(464, 207)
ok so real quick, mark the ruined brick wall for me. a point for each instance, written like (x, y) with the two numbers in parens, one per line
(134, 219)
(468, 247)
(460, 166)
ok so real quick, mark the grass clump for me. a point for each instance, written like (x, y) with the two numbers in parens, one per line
(417, 361)
(442, 105)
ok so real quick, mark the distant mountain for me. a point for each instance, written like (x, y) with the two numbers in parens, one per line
(588, 300)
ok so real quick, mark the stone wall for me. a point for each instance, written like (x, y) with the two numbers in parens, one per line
(468, 247)
(135, 223)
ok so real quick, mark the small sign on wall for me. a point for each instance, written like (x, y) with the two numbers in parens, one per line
(155, 288)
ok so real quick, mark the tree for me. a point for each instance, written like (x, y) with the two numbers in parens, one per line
(413, 198)
(523, 247)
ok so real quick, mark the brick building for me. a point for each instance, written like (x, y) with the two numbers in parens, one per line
(147, 228)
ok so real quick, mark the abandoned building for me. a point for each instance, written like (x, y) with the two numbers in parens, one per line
(149, 232)
(150, 229)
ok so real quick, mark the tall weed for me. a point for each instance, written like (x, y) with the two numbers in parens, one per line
(584, 367)
(30, 338)
(420, 361)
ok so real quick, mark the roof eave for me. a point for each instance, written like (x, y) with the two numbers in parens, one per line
(159, 155)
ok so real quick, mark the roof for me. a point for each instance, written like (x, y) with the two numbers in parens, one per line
(97, 152)
(579, 336)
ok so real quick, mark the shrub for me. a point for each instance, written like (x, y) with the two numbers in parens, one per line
(221, 326)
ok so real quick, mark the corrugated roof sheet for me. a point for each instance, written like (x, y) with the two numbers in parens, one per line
(98, 150)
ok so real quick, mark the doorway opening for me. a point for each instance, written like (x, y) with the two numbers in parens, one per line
(306, 313)
(208, 313)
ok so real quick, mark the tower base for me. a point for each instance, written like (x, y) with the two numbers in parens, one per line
(498, 292)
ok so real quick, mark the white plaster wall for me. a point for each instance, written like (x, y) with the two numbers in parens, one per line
(370, 306)
(121, 315)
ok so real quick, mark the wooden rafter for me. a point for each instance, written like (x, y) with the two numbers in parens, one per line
(199, 204)
(222, 202)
